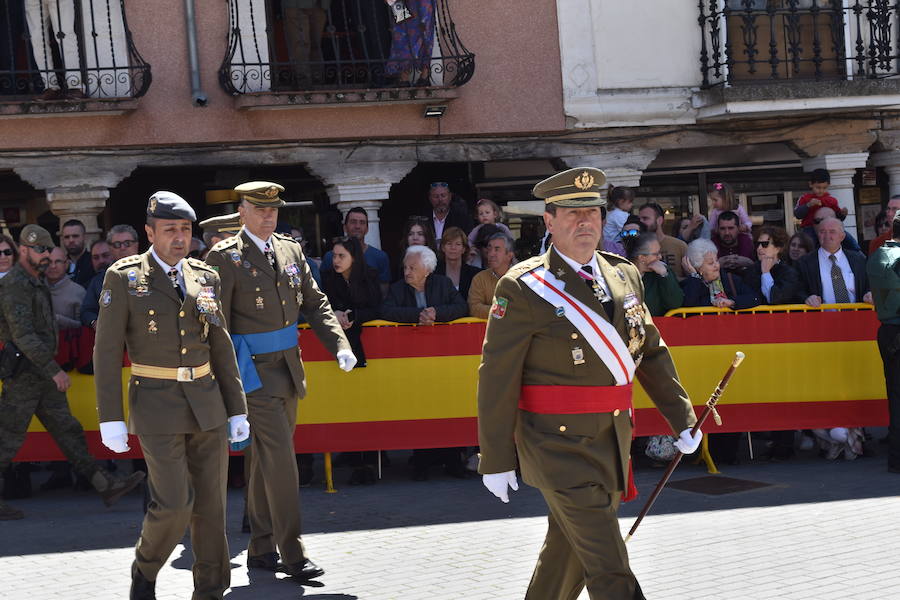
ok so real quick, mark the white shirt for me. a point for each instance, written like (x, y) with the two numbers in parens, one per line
(767, 282)
(439, 225)
(825, 275)
(261, 244)
(167, 267)
(595, 267)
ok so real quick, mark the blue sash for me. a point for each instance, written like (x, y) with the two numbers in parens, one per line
(248, 344)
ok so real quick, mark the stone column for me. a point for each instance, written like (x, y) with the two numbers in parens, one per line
(366, 185)
(621, 168)
(890, 161)
(81, 204)
(842, 168)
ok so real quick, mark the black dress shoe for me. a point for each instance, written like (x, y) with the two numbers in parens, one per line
(267, 561)
(141, 588)
(303, 570)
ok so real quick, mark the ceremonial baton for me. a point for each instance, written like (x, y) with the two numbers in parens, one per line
(710, 410)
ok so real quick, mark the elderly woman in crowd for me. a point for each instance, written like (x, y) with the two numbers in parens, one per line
(422, 296)
(771, 279)
(705, 287)
(661, 290)
(452, 264)
(9, 254)
(798, 246)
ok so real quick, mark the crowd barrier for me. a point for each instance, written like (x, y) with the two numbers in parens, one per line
(805, 368)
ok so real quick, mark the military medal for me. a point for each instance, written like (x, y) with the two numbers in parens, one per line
(201, 279)
(235, 258)
(259, 303)
(577, 355)
(151, 327)
(135, 287)
(254, 272)
(105, 297)
(560, 272)
(560, 311)
(246, 264)
(599, 293)
(620, 273)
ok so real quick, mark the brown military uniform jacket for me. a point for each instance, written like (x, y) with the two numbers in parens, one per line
(140, 310)
(256, 299)
(532, 343)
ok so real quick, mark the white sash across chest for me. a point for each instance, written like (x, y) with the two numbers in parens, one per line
(602, 336)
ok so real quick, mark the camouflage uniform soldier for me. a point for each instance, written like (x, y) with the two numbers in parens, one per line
(37, 386)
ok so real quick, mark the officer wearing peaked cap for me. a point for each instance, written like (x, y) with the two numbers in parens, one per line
(184, 395)
(266, 283)
(567, 333)
(216, 229)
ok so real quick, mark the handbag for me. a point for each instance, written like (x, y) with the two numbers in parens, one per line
(12, 361)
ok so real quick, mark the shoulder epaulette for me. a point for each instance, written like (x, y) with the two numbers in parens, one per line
(526, 266)
(126, 262)
(224, 244)
(196, 263)
(288, 238)
(612, 255)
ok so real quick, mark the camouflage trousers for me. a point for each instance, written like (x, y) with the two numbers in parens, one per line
(27, 395)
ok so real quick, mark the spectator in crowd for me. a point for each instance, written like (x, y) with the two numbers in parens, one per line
(478, 253)
(422, 296)
(356, 224)
(488, 213)
(416, 232)
(735, 247)
(771, 279)
(688, 229)
(101, 256)
(799, 246)
(661, 290)
(622, 200)
(809, 205)
(705, 287)
(890, 211)
(832, 275)
(80, 269)
(672, 249)
(198, 248)
(849, 242)
(881, 224)
(123, 242)
(452, 263)
(722, 198)
(444, 215)
(65, 295)
(412, 43)
(9, 254)
(500, 257)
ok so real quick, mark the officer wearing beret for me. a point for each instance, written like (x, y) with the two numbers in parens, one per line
(184, 395)
(266, 284)
(567, 333)
(33, 383)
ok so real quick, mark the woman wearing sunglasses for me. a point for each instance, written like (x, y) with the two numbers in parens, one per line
(772, 278)
(9, 255)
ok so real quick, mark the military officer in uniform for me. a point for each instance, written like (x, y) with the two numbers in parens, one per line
(266, 283)
(215, 229)
(184, 395)
(566, 335)
(37, 386)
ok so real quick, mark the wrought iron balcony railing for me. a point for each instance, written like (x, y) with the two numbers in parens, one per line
(788, 40)
(69, 50)
(345, 44)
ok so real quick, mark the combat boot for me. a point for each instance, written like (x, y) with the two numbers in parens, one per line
(8, 513)
(112, 488)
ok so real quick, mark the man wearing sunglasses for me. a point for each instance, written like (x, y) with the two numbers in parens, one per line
(123, 242)
(33, 383)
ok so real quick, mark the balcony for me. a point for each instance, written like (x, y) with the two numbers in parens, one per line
(62, 56)
(807, 54)
(349, 52)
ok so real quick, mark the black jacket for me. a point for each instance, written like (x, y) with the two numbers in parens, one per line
(84, 270)
(811, 280)
(787, 288)
(466, 274)
(363, 298)
(697, 294)
(400, 304)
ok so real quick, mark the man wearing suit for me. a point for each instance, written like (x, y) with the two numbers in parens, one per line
(444, 214)
(266, 284)
(567, 333)
(832, 275)
(184, 395)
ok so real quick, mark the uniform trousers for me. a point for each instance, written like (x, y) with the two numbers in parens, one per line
(187, 476)
(889, 348)
(273, 489)
(27, 395)
(583, 548)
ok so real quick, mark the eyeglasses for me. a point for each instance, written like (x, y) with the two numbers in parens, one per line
(435, 184)
(763, 243)
(40, 249)
(125, 244)
(629, 233)
(6, 252)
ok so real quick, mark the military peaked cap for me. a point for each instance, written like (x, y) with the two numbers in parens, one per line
(261, 193)
(230, 223)
(574, 188)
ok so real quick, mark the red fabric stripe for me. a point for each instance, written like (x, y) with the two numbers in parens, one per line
(590, 322)
(574, 399)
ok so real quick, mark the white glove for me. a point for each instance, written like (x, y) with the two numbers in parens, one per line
(238, 428)
(114, 435)
(498, 482)
(687, 444)
(346, 360)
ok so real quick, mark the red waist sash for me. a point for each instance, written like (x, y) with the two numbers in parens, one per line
(574, 399)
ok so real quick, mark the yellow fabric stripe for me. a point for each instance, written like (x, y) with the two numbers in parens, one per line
(559, 197)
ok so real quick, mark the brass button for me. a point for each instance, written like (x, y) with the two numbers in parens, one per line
(257, 289)
(181, 313)
(574, 336)
(182, 332)
(253, 356)
(151, 312)
(287, 322)
(137, 382)
(184, 350)
(562, 427)
(616, 412)
(283, 302)
(213, 376)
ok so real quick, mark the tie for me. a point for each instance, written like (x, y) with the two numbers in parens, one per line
(841, 295)
(587, 273)
(173, 277)
(270, 255)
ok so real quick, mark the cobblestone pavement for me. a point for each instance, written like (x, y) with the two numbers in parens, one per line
(819, 530)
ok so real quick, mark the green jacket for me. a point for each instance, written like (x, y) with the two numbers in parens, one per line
(26, 319)
(662, 294)
(883, 269)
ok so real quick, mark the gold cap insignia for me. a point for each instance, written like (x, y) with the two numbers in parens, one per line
(152, 204)
(584, 181)
(271, 192)
(31, 237)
